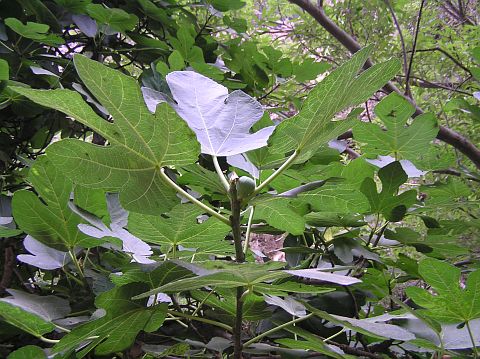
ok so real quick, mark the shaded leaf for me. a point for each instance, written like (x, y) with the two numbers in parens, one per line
(181, 228)
(47, 218)
(34, 31)
(387, 202)
(117, 330)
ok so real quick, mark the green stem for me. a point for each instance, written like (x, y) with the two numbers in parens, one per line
(71, 276)
(474, 347)
(275, 174)
(49, 341)
(203, 302)
(276, 329)
(235, 218)
(203, 320)
(75, 261)
(191, 198)
(61, 328)
(220, 173)
(334, 335)
(249, 229)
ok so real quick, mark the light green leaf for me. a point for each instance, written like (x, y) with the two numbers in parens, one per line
(184, 41)
(24, 320)
(182, 228)
(4, 70)
(451, 304)
(34, 31)
(117, 19)
(28, 351)
(208, 70)
(398, 140)
(441, 275)
(279, 213)
(309, 69)
(226, 5)
(47, 218)
(312, 126)
(335, 198)
(140, 143)
(176, 61)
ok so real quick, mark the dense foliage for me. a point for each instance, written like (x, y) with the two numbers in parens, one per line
(222, 179)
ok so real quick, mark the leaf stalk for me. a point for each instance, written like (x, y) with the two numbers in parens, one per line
(275, 174)
(192, 199)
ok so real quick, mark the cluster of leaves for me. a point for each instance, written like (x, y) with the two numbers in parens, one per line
(138, 237)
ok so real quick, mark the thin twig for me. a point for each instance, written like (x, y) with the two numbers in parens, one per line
(415, 38)
(447, 54)
(402, 42)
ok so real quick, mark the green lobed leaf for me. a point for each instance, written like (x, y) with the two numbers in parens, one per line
(140, 143)
(182, 228)
(451, 304)
(222, 275)
(117, 330)
(312, 126)
(47, 218)
(154, 277)
(400, 140)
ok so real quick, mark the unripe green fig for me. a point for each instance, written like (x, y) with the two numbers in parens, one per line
(245, 186)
